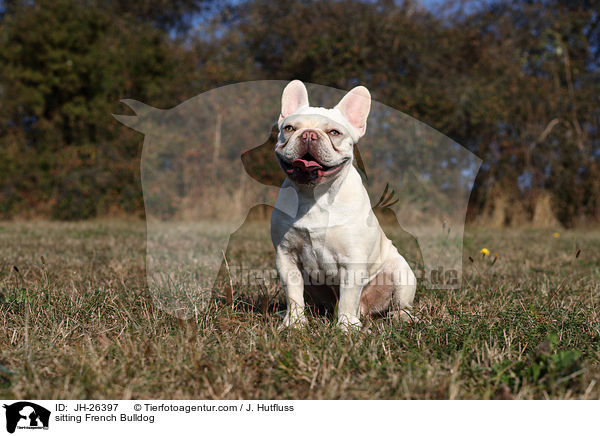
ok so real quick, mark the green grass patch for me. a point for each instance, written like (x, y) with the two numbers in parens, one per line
(78, 321)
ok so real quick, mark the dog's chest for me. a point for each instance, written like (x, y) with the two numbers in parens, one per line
(316, 248)
(325, 232)
(322, 241)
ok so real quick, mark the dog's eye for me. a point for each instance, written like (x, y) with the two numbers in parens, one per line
(289, 128)
(334, 132)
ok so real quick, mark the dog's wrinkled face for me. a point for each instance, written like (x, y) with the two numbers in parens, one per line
(313, 148)
(315, 144)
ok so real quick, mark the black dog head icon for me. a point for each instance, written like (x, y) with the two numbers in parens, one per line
(27, 414)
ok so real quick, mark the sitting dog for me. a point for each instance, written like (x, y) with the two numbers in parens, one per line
(325, 234)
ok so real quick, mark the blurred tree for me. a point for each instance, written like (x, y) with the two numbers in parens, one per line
(529, 109)
(515, 82)
(168, 15)
(61, 83)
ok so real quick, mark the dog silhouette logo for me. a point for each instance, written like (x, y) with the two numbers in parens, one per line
(26, 415)
(204, 176)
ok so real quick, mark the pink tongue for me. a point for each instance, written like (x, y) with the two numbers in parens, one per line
(306, 165)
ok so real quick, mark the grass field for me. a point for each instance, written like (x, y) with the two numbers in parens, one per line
(78, 322)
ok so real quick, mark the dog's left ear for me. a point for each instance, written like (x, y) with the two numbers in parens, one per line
(294, 97)
(355, 107)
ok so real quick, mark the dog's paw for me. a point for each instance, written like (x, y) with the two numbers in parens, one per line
(349, 322)
(292, 322)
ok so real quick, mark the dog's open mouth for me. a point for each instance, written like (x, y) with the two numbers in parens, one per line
(307, 169)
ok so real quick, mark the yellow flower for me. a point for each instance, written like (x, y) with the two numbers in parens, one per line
(485, 251)
(556, 234)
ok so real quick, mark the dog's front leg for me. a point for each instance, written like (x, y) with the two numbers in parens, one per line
(293, 284)
(351, 284)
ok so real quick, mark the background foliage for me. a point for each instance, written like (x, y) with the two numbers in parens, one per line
(515, 82)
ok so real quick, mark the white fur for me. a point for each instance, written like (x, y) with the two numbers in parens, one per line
(330, 227)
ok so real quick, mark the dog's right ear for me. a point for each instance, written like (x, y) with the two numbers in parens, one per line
(294, 97)
(355, 106)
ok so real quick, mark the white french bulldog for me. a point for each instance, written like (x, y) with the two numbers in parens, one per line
(325, 234)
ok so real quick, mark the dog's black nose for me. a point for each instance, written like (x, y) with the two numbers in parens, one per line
(309, 136)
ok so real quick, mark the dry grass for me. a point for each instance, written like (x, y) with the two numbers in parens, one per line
(80, 323)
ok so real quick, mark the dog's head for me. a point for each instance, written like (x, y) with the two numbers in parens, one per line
(315, 144)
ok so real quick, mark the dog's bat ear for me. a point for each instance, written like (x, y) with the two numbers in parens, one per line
(293, 98)
(355, 106)
(143, 112)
